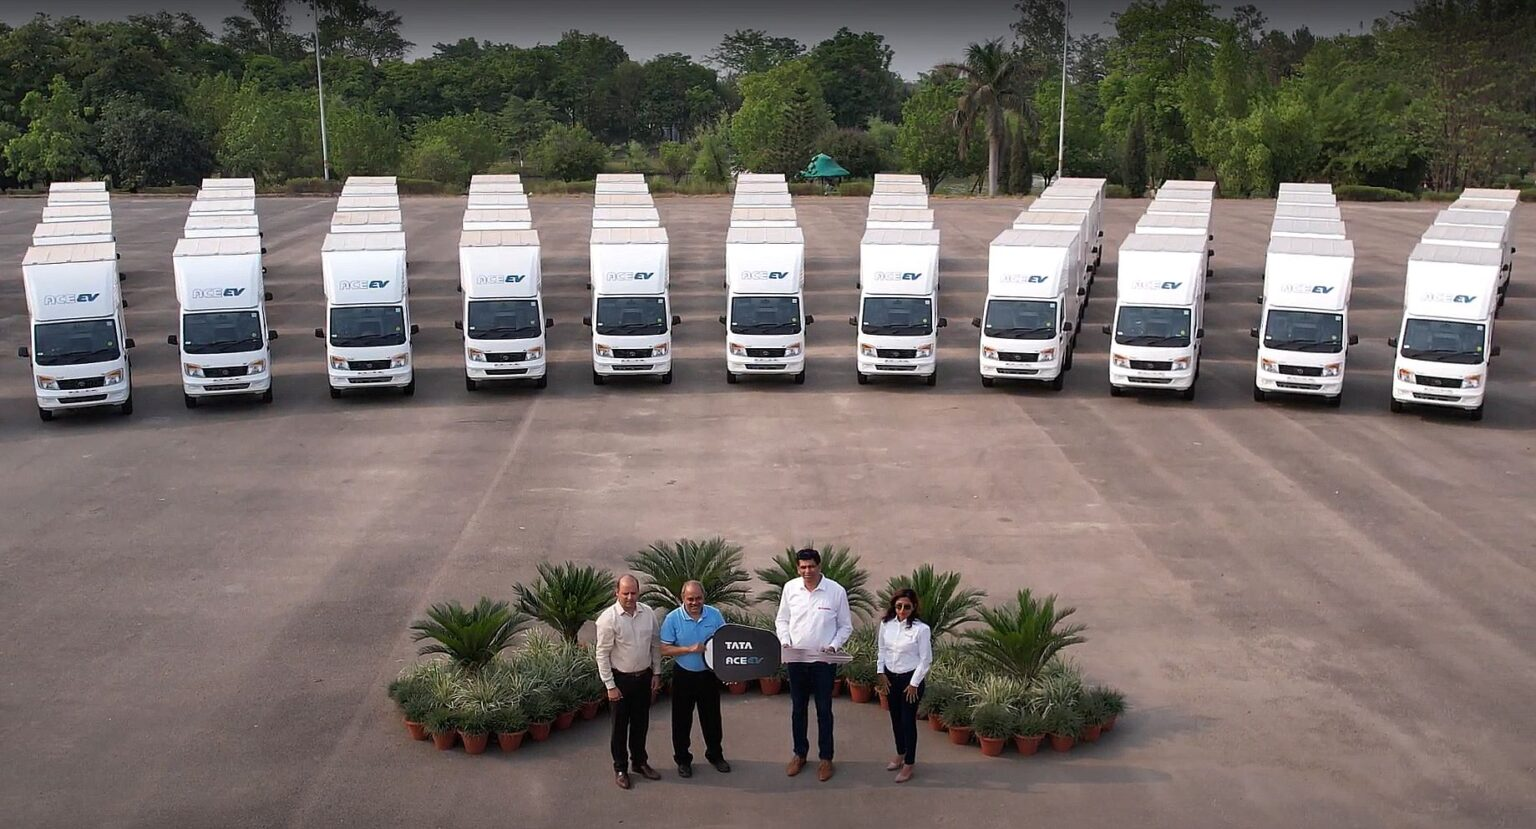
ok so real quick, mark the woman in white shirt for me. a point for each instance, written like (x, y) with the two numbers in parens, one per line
(905, 655)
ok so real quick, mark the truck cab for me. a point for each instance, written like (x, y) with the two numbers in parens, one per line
(368, 326)
(765, 317)
(1445, 343)
(503, 320)
(898, 317)
(1037, 283)
(78, 349)
(223, 338)
(1303, 331)
(1159, 314)
(631, 316)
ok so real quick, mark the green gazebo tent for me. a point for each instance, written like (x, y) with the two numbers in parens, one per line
(823, 167)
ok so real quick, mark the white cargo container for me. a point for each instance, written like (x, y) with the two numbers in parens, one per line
(1306, 228)
(78, 349)
(909, 201)
(77, 187)
(898, 318)
(1321, 199)
(367, 221)
(762, 200)
(1205, 189)
(622, 187)
(1159, 314)
(236, 206)
(623, 200)
(368, 317)
(1087, 205)
(1446, 340)
(77, 213)
(896, 218)
(1310, 212)
(1303, 332)
(1175, 224)
(347, 204)
(72, 233)
(1500, 221)
(223, 339)
(503, 315)
(62, 198)
(631, 315)
(202, 227)
(765, 317)
(503, 219)
(763, 217)
(1037, 284)
(625, 217)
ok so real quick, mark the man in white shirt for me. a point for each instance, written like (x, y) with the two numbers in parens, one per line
(813, 616)
(628, 656)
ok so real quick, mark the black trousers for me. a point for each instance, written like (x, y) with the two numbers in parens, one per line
(690, 690)
(904, 715)
(808, 680)
(631, 719)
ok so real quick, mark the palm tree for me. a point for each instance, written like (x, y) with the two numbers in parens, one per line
(989, 72)
(470, 637)
(838, 563)
(942, 602)
(714, 562)
(566, 596)
(1020, 637)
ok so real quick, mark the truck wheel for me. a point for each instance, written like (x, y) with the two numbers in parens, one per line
(1188, 394)
(932, 379)
(335, 393)
(470, 384)
(1258, 395)
(1066, 363)
(410, 388)
(863, 379)
(1336, 401)
(127, 407)
(800, 378)
(44, 415)
(542, 382)
(266, 396)
(987, 382)
(598, 379)
(1396, 406)
(731, 378)
(189, 400)
(1475, 415)
(1059, 382)
(1116, 391)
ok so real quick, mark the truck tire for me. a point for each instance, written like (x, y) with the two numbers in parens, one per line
(598, 379)
(335, 393)
(1116, 391)
(189, 400)
(666, 379)
(1475, 415)
(1396, 406)
(127, 408)
(266, 396)
(863, 379)
(410, 388)
(1188, 394)
(1258, 395)
(542, 382)
(44, 415)
(731, 378)
(470, 384)
(1059, 382)
(987, 382)
(932, 379)
(1336, 401)
(800, 378)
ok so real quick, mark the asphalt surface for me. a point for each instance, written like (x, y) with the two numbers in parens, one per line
(1321, 617)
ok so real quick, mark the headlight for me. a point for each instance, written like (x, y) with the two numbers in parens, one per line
(113, 378)
(1270, 366)
(256, 366)
(1180, 363)
(192, 370)
(737, 349)
(925, 350)
(400, 360)
(659, 351)
(475, 355)
(48, 383)
(1120, 361)
(534, 353)
(603, 350)
(988, 353)
(868, 350)
(1473, 382)
(1045, 355)
(793, 350)
(1404, 375)
(1332, 369)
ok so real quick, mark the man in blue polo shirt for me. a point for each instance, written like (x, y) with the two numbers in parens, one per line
(683, 635)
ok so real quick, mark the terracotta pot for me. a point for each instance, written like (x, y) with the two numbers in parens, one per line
(564, 719)
(416, 730)
(885, 702)
(1109, 724)
(1091, 733)
(1027, 745)
(1062, 742)
(736, 687)
(837, 687)
(474, 743)
(589, 709)
(992, 746)
(859, 692)
(539, 731)
(445, 740)
(960, 734)
(510, 742)
(770, 685)
(922, 716)
(935, 722)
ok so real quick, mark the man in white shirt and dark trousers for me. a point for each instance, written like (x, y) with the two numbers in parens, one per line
(629, 663)
(813, 616)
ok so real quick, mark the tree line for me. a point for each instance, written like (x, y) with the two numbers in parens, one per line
(1435, 97)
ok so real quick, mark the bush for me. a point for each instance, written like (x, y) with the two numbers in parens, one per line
(569, 153)
(436, 159)
(856, 188)
(426, 187)
(1440, 195)
(690, 186)
(544, 185)
(676, 159)
(1528, 194)
(1117, 191)
(806, 188)
(1364, 192)
(305, 186)
(171, 190)
(854, 149)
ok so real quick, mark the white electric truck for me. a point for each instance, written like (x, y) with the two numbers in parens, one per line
(223, 342)
(898, 317)
(78, 352)
(1159, 314)
(503, 322)
(1037, 283)
(1303, 330)
(1446, 340)
(631, 315)
(765, 316)
(368, 326)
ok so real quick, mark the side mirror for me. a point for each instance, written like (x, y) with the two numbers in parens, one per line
(943, 323)
(1066, 327)
(1210, 272)
(263, 251)
(458, 289)
(975, 322)
(319, 333)
(1354, 339)
(23, 353)
(170, 340)
(587, 321)
(1210, 253)
(1254, 333)
(1259, 300)
(549, 322)
(1199, 333)
(127, 342)
(271, 335)
(415, 329)
(267, 295)
(722, 319)
(810, 320)
(458, 325)
(1105, 329)
(853, 321)
(125, 303)
(677, 320)
(1495, 351)
(1392, 341)
(1082, 291)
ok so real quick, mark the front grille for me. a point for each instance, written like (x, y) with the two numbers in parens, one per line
(224, 371)
(641, 367)
(506, 357)
(632, 353)
(1151, 365)
(368, 365)
(897, 353)
(897, 368)
(765, 352)
(1156, 381)
(1018, 371)
(82, 383)
(88, 398)
(1299, 386)
(229, 387)
(502, 372)
(1439, 382)
(1443, 398)
(363, 381)
(1018, 356)
(1301, 371)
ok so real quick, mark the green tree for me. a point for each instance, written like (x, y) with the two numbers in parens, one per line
(676, 159)
(988, 73)
(58, 141)
(883, 133)
(712, 153)
(782, 113)
(359, 29)
(272, 136)
(676, 96)
(569, 153)
(436, 159)
(1020, 176)
(854, 149)
(141, 146)
(475, 138)
(747, 51)
(1133, 172)
(856, 78)
(521, 123)
(362, 141)
(926, 139)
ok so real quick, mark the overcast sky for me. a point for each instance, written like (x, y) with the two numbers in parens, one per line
(921, 34)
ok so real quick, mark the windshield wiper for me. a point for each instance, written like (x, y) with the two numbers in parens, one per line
(1047, 330)
(80, 357)
(896, 330)
(366, 340)
(1437, 355)
(630, 327)
(1149, 339)
(504, 333)
(765, 328)
(247, 344)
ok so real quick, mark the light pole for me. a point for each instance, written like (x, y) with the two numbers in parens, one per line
(1061, 127)
(325, 149)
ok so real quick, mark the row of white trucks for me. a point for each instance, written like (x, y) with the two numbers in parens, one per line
(765, 316)
(631, 313)
(501, 278)
(898, 283)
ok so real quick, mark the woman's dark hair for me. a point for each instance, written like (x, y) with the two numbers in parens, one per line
(904, 593)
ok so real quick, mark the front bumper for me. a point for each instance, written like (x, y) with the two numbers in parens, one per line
(613, 366)
(916, 367)
(83, 398)
(1436, 396)
(1290, 384)
(1136, 379)
(384, 378)
(525, 370)
(249, 384)
(764, 365)
(1010, 370)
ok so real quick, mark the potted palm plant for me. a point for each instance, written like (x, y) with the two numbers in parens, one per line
(566, 596)
(957, 719)
(1114, 702)
(593, 694)
(946, 604)
(470, 637)
(1020, 638)
(1028, 731)
(541, 708)
(409, 692)
(993, 723)
(771, 685)
(510, 725)
(713, 562)
(1094, 707)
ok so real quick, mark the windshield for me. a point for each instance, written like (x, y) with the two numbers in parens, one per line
(504, 319)
(75, 343)
(358, 326)
(220, 332)
(1144, 325)
(1444, 342)
(765, 315)
(1314, 331)
(631, 315)
(1021, 319)
(897, 316)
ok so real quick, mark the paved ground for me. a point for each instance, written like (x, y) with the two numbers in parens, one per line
(1321, 617)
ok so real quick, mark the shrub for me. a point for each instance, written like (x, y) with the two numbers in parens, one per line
(304, 186)
(569, 153)
(714, 562)
(1020, 637)
(957, 711)
(544, 185)
(856, 188)
(862, 647)
(566, 596)
(936, 694)
(1116, 191)
(690, 185)
(1363, 192)
(676, 159)
(854, 149)
(1438, 195)
(942, 602)
(434, 158)
(1027, 723)
(426, 187)
(470, 637)
(807, 188)
(1528, 194)
(993, 721)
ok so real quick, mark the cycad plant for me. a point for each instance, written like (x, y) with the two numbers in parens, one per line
(566, 596)
(1019, 638)
(470, 637)
(942, 602)
(864, 650)
(713, 562)
(838, 563)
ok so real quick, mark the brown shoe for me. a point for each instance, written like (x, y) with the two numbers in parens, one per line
(796, 763)
(824, 771)
(622, 780)
(645, 770)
